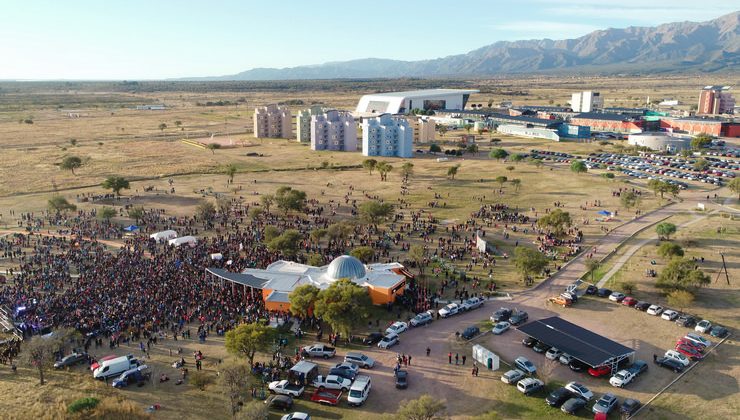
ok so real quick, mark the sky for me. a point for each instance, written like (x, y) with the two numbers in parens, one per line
(157, 39)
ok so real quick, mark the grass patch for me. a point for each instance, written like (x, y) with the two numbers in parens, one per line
(86, 403)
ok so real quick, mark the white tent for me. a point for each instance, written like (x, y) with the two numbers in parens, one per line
(183, 240)
(217, 256)
(485, 357)
(164, 235)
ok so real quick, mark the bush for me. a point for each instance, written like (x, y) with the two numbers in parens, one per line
(199, 379)
(85, 403)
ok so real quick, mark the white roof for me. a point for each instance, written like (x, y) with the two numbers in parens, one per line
(425, 93)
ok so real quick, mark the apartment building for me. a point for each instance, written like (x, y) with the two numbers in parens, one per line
(272, 121)
(714, 100)
(387, 136)
(424, 129)
(586, 101)
(334, 130)
(303, 122)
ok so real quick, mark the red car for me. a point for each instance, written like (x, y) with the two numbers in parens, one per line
(684, 342)
(599, 371)
(326, 396)
(629, 301)
(689, 352)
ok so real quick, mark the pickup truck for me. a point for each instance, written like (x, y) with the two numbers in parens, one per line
(319, 350)
(332, 382)
(286, 388)
(449, 310)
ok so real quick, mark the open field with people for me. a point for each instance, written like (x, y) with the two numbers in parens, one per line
(74, 266)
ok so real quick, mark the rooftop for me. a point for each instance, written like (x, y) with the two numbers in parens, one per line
(605, 116)
(426, 92)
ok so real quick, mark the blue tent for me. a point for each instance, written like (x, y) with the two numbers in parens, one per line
(131, 228)
(605, 213)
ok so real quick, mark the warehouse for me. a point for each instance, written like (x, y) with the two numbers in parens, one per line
(403, 102)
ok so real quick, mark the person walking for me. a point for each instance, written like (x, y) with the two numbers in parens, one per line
(409, 360)
(428, 351)
(457, 357)
(449, 357)
(464, 357)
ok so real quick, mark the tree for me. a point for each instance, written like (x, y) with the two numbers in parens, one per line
(369, 164)
(317, 234)
(442, 129)
(107, 213)
(468, 127)
(234, 378)
(73, 142)
(472, 148)
(734, 186)
(629, 199)
(70, 163)
(510, 168)
(162, 126)
(38, 353)
(578, 167)
(247, 339)
(199, 379)
(255, 213)
(375, 212)
(384, 168)
(681, 274)
(517, 183)
(701, 141)
(529, 261)
(363, 253)
(136, 213)
(407, 169)
(501, 180)
(344, 305)
(662, 187)
(665, 230)
(178, 123)
(536, 162)
(289, 199)
(315, 259)
(340, 230)
(680, 299)
(452, 171)
(287, 242)
(213, 146)
(416, 253)
(230, 170)
(116, 184)
(223, 204)
(557, 220)
(701, 165)
(423, 408)
(607, 175)
(592, 265)
(628, 287)
(302, 300)
(498, 154)
(267, 201)
(271, 232)
(669, 250)
(517, 157)
(59, 204)
(434, 148)
(255, 410)
(206, 211)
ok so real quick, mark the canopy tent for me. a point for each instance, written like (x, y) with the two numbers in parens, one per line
(164, 235)
(131, 228)
(605, 213)
(190, 240)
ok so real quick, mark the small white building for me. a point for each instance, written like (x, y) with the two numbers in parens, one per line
(487, 358)
(530, 132)
(403, 102)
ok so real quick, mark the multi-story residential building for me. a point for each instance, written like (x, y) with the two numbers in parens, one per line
(424, 129)
(715, 100)
(303, 122)
(586, 101)
(272, 121)
(387, 136)
(334, 130)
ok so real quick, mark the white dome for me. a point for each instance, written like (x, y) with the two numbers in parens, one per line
(346, 266)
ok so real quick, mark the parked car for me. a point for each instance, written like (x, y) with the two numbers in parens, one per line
(669, 315)
(344, 373)
(540, 347)
(332, 382)
(642, 306)
(655, 310)
(449, 310)
(629, 406)
(599, 371)
(669, 363)
(402, 379)
(591, 289)
(137, 375)
(525, 365)
(501, 327)
(553, 354)
(638, 367)
(71, 360)
(529, 341)
(397, 328)
(359, 359)
(502, 314)
(616, 296)
(677, 356)
(579, 389)
(719, 332)
(565, 358)
(605, 404)
(348, 366)
(577, 366)
(470, 332)
(703, 326)
(372, 338)
(472, 303)
(686, 320)
(421, 319)
(603, 292)
(696, 346)
(528, 386)
(629, 301)
(573, 405)
(513, 376)
(281, 402)
(698, 339)
(319, 350)
(296, 416)
(558, 397)
(326, 396)
(284, 387)
(388, 341)
(518, 317)
(689, 351)
(622, 378)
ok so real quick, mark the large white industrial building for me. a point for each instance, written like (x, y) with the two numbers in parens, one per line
(403, 102)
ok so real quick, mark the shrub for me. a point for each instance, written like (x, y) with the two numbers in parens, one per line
(85, 403)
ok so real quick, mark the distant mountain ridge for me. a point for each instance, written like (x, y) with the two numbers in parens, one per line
(683, 46)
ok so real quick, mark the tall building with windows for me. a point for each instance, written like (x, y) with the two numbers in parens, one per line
(586, 101)
(334, 130)
(387, 136)
(715, 100)
(303, 122)
(272, 121)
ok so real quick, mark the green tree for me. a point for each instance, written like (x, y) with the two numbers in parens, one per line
(315, 259)
(452, 171)
(255, 213)
(206, 211)
(607, 175)
(442, 129)
(734, 186)
(665, 230)
(628, 287)
(343, 305)
(592, 265)
(680, 299)
(213, 146)
(317, 234)
(384, 168)
(629, 199)
(517, 157)
(662, 187)
(468, 127)
(501, 179)
(339, 231)
(267, 201)
(136, 213)
(287, 243)
(270, 232)
(536, 162)
(529, 261)
(223, 204)
(517, 183)
(472, 148)
(116, 184)
(289, 199)
(425, 407)
(669, 250)
(701, 141)
(407, 169)
(369, 164)
(302, 300)
(59, 204)
(578, 167)
(107, 213)
(510, 168)
(557, 220)
(162, 126)
(416, 253)
(701, 165)
(681, 274)
(498, 154)
(434, 148)
(363, 253)
(375, 212)
(70, 163)
(230, 170)
(178, 123)
(247, 339)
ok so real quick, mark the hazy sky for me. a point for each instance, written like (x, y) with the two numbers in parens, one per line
(133, 39)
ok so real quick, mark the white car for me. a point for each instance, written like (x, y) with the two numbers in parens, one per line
(566, 358)
(655, 310)
(703, 326)
(421, 319)
(296, 416)
(388, 341)
(680, 358)
(501, 328)
(529, 385)
(616, 297)
(397, 328)
(696, 338)
(622, 378)
(332, 382)
(472, 303)
(580, 390)
(513, 376)
(669, 315)
(553, 354)
(449, 310)
(359, 359)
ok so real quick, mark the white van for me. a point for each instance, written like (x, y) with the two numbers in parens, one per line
(359, 390)
(115, 367)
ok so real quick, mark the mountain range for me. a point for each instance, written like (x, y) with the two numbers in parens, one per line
(710, 46)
